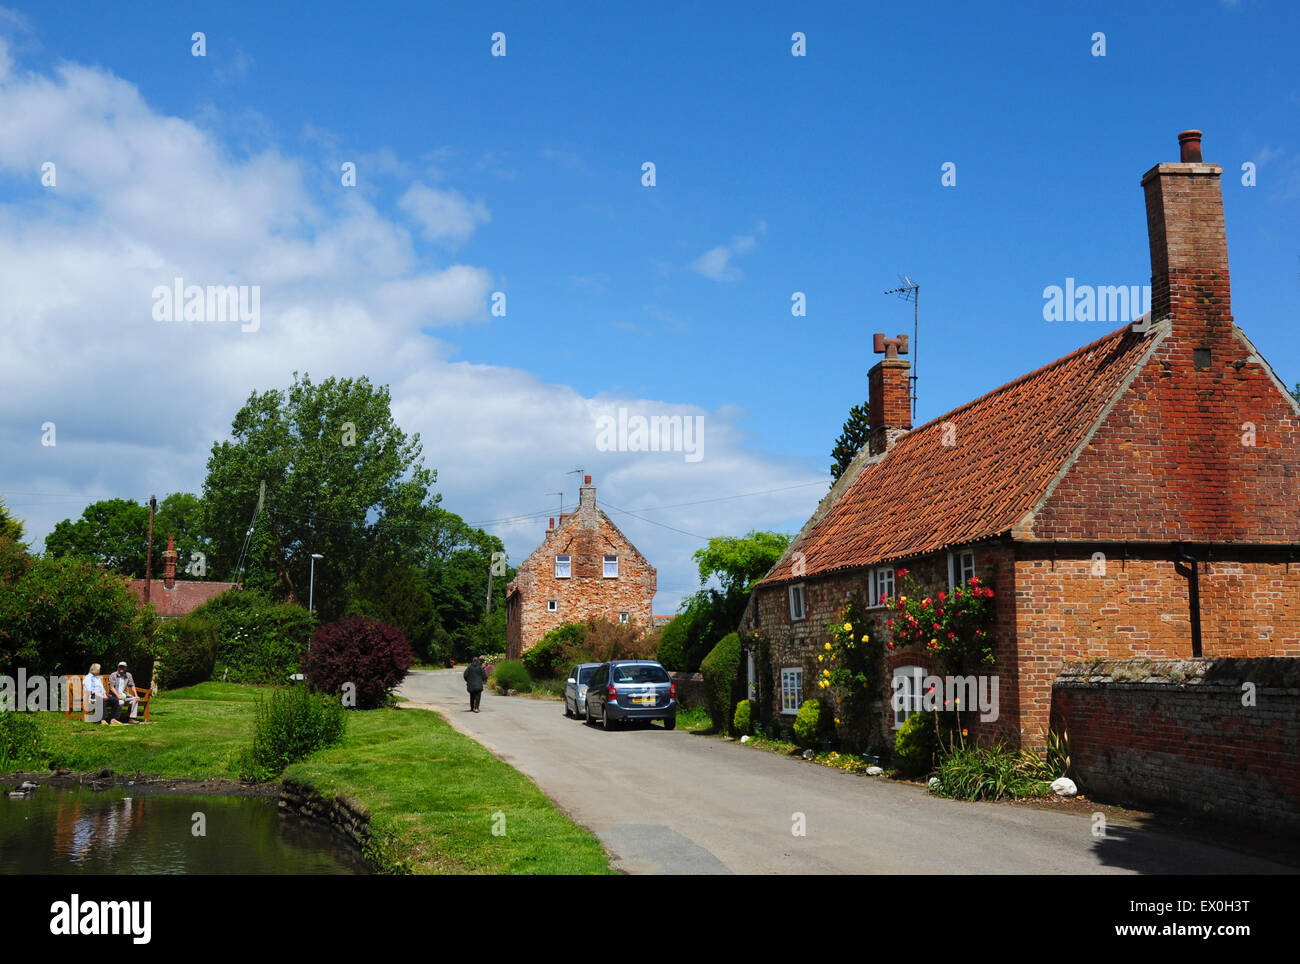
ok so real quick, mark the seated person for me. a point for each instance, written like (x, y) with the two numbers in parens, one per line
(123, 686)
(100, 704)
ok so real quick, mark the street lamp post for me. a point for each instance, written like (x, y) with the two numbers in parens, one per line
(311, 589)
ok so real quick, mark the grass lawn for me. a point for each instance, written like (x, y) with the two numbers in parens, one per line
(432, 793)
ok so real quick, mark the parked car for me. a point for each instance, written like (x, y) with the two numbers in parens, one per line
(631, 689)
(575, 689)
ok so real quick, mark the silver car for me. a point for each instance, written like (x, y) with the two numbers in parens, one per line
(575, 689)
(631, 689)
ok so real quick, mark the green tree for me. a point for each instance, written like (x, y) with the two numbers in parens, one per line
(115, 533)
(1296, 393)
(111, 532)
(457, 560)
(398, 596)
(710, 614)
(856, 433)
(11, 527)
(342, 479)
(738, 563)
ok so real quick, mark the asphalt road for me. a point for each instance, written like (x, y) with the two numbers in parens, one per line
(682, 804)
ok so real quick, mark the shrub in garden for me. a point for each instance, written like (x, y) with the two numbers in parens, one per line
(260, 641)
(721, 671)
(290, 724)
(604, 640)
(57, 616)
(742, 723)
(955, 627)
(371, 656)
(814, 722)
(186, 649)
(510, 675)
(553, 650)
(20, 740)
(915, 745)
(992, 773)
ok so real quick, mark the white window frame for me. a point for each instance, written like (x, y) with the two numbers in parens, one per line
(959, 573)
(915, 677)
(797, 591)
(552, 605)
(623, 617)
(568, 567)
(607, 573)
(879, 577)
(791, 689)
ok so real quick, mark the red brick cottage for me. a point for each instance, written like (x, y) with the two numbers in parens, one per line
(1139, 497)
(584, 569)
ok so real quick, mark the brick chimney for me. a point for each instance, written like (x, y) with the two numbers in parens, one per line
(1189, 250)
(169, 564)
(550, 529)
(586, 494)
(890, 404)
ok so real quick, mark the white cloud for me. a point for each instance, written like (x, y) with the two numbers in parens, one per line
(143, 198)
(443, 215)
(715, 263)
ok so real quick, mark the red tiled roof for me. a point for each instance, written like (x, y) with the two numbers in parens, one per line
(184, 597)
(923, 496)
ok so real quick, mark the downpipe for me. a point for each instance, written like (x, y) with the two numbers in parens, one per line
(1194, 595)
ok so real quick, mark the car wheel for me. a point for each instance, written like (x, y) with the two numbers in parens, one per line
(670, 722)
(586, 717)
(605, 721)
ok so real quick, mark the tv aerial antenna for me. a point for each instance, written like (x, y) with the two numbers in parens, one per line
(910, 291)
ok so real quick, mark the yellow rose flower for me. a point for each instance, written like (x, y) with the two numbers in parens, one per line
(821, 658)
(828, 647)
(866, 639)
(826, 672)
(902, 599)
(848, 627)
(934, 642)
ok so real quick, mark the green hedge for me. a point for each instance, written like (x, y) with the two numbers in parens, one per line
(510, 675)
(187, 650)
(721, 671)
(672, 643)
(551, 652)
(261, 641)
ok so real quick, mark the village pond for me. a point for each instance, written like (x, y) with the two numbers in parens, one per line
(77, 830)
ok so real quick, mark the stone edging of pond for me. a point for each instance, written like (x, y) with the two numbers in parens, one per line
(344, 816)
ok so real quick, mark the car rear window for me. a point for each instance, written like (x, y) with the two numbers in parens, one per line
(640, 673)
(586, 673)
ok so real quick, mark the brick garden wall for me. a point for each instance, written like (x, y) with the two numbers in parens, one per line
(1069, 611)
(1175, 733)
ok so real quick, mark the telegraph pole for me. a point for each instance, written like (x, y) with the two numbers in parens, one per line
(148, 559)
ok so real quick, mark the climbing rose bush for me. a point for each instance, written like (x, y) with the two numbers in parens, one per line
(955, 625)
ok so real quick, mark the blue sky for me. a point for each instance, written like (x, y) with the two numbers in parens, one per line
(522, 174)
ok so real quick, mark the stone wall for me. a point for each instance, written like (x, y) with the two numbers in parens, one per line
(344, 816)
(1176, 733)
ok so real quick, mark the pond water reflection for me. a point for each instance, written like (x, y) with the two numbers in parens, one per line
(74, 830)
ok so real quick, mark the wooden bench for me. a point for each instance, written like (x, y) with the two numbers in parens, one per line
(74, 703)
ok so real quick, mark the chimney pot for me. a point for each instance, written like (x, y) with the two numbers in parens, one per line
(1190, 281)
(169, 564)
(586, 480)
(890, 393)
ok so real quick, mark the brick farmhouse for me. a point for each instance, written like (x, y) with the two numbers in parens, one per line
(1139, 497)
(584, 569)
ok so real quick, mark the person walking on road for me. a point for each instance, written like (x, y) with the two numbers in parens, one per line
(475, 677)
